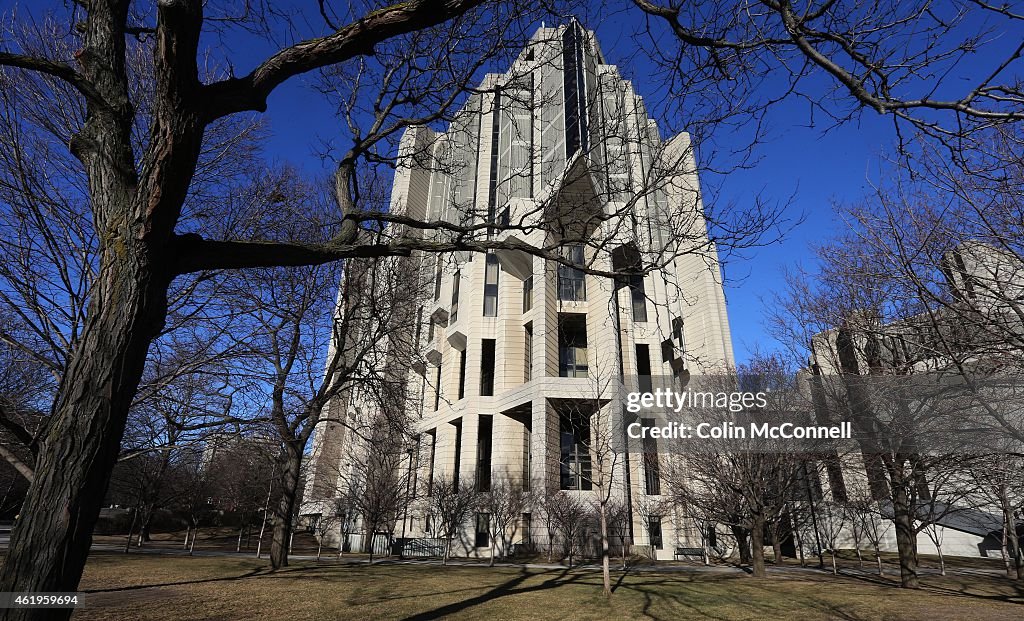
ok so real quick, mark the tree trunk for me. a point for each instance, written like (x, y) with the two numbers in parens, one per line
(51, 542)
(1016, 557)
(942, 560)
(757, 547)
(131, 529)
(1010, 573)
(906, 538)
(280, 543)
(605, 552)
(742, 544)
(776, 546)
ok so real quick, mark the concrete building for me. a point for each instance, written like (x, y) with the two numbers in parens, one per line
(867, 364)
(520, 362)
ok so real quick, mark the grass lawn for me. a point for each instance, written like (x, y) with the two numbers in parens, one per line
(219, 588)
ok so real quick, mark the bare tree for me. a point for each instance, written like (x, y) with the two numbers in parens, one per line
(505, 502)
(450, 505)
(569, 516)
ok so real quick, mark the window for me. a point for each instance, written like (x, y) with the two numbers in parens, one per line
(575, 93)
(430, 331)
(437, 280)
(484, 444)
(571, 284)
(652, 466)
(639, 297)
(527, 457)
(487, 368)
(643, 367)
(483, 530)
(527, 532)
(572, 346)
(462, 374)
(528, 294)
(491, 286)
(437, 387)
(419, 325)
(654, 530)
(528, 352)
(455, 295)
(458, 452)
(430, 469)
(574, 445)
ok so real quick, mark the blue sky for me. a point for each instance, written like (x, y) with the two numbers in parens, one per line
(814, 167)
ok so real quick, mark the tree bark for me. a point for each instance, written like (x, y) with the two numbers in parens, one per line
(906, 538)
(285, 510)
(757, 547)
(740, 534)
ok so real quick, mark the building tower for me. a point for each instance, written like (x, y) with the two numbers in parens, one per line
(524, 359)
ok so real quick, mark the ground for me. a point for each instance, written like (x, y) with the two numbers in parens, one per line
(174, 587)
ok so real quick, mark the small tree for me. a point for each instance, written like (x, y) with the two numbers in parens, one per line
(505, 503)
(451, 504)
(569, 516)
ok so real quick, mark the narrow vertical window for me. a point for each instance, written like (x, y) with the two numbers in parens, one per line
(639, 298)
(643, 367)
(491, 286)
(528, 352)
(571, 283)
(527, 457)
(654, 530)
(487, 368)
(455, 295)
(437, 280)
(528, 294)
(437, 387)
(483, 529)
(572, 346)
(462, 374)
(419, 325)
(652, 465)
(484, 445)
(458, 453)
(433, 457)
(574, 451)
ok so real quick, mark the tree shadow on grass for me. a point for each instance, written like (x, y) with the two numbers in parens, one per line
(509, 587)
(256, 572)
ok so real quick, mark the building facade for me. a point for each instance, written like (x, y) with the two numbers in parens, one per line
(518, 362)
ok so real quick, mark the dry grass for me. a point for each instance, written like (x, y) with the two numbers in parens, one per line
(220, 588)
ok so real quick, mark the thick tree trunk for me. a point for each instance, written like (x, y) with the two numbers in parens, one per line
(776, 546)
(280, 543)
(49, 545)
(742, 544)
(906, 538)
(757, 548)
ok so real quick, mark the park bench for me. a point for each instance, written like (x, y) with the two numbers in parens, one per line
(689, 552)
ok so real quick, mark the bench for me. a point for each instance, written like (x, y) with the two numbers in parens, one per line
(689, 552)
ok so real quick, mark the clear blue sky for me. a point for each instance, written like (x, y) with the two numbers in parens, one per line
(814, 167)
(796, 160)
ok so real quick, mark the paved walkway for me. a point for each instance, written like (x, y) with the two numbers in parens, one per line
(868, 570)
